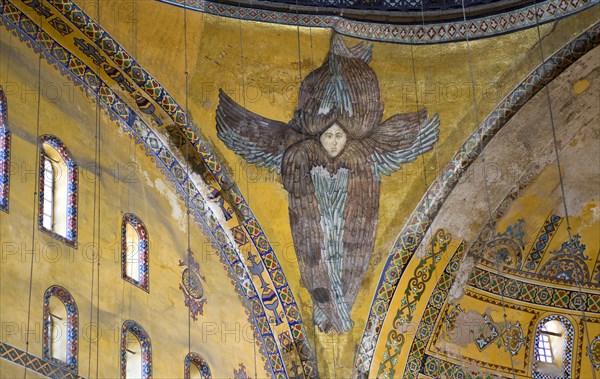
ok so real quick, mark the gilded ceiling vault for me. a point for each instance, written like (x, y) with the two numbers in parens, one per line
(427, 207)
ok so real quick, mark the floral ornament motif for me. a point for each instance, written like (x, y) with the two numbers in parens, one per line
(513, 338)
(593, 351)
(191, 286)
(240, 373)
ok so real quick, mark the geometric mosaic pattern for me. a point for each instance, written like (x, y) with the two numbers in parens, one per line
(542, 295)
(432, 313)
(142, 251)
(542, 241)
(449, 31)
(412, 295)
(437, 368)
(418, 223)
(4, 153)
(72, 327)
(72, 182)
(41, 366)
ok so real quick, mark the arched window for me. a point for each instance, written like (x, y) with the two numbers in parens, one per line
(134, 251)
(4, 153)
(553, 349)
(136, 351)
(195, 367)
(58, 191)
(61, 323)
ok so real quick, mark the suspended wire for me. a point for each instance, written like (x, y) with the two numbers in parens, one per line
(34, 202)
(6, 126)
(247, 166)
(560, 173)
(95, 225)
(485, 179)
(126, 288)
(314, 305)
(429, 231)
(188, 253)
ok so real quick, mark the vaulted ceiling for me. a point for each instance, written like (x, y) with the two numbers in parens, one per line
(491, 179)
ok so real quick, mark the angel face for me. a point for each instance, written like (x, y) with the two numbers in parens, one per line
(333, 140)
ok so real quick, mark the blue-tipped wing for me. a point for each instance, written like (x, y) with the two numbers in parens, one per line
(401, 138)
(257, 139)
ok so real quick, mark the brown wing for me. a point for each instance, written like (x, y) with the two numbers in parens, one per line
(360, 216)
(402, 138)
(257, 139)
(305, 222)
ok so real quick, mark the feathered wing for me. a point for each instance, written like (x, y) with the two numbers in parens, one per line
(360, 215)
(257, 139)
(305, 222)
(401, 138)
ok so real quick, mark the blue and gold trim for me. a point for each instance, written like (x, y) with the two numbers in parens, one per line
(419, 33)
(4, 153)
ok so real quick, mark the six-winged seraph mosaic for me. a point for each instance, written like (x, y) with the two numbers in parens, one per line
(331, 156)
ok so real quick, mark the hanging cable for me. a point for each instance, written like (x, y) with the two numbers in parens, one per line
(96, 221)
(247, 165)
(314, 305)
(485, 178)
(188, 253)
(6, 126)
(34, 202)
(560, 173)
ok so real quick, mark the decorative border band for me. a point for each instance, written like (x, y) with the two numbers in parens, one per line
(4, 153)
(414, 230)
(35, 363)
(449, 31)
(512, 288)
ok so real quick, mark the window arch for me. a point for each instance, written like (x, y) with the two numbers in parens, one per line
(134, 252)
(195, 367)
(57, 190)
(136, 351)
(4, 153)
(553, 348)
(61, 328)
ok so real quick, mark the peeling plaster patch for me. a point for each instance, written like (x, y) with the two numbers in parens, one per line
(177, 212)
(460, 282)
(215, 210)
(469, 326)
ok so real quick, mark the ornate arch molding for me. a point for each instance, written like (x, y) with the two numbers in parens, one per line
(121, 76)
(420, 220)
(136, 329)
(72, 184)
(567, 359)
(143, 250)
(197, 360)
(408, 30)
(71, 332)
